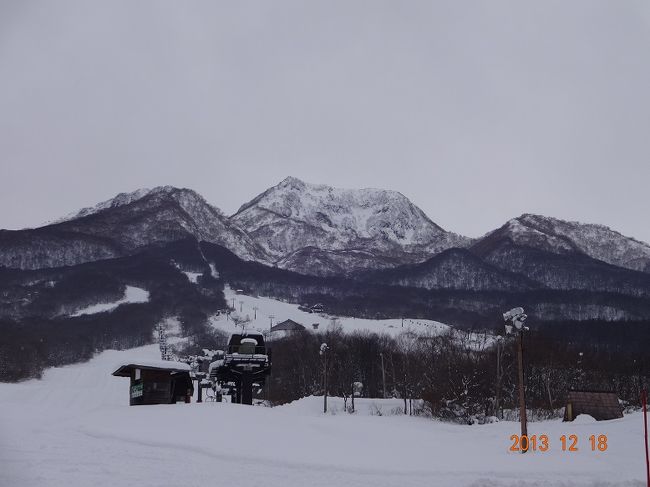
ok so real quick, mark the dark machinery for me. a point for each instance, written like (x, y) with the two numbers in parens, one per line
(245, 365)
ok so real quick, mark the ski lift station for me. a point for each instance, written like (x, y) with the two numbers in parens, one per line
(243, 367)
(157, 382)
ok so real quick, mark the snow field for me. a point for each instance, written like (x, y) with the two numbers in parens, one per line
(75, 428)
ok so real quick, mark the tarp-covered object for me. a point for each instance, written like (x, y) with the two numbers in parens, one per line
(600, 405)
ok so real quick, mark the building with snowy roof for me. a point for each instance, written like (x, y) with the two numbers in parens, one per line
(157, 382)
(288, 326)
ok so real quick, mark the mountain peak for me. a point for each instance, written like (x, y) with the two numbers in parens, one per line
(294, 215)
(291, 181)
(123, 199)
(561, 236)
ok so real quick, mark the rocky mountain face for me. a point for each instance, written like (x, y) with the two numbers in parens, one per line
(121, 227)
(317, 229)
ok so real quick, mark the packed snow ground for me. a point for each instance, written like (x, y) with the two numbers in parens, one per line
(266, 307)
(75, 428)
(132, 294)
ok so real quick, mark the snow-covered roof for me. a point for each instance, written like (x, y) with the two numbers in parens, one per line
(124, 370)
(288, 325)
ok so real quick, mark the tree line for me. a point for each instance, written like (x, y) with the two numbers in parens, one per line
(456, 376)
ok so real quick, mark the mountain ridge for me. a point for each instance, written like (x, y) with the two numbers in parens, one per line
(307, 228)
(565, 237)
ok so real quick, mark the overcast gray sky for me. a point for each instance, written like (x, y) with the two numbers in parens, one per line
(477, 111)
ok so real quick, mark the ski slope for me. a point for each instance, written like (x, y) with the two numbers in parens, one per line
(245, 306)
(75, 428)
(132, 294)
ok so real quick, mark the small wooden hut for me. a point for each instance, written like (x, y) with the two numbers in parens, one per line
(157, 382)
(600, 405)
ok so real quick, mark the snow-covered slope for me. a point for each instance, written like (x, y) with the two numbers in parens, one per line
(260, 309)
(562, 237)
(132, 294)
(295, 215)
(282, 311)
(75, 428)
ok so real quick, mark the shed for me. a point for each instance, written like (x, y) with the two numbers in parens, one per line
(157, 382)
(288, 325)
(601, 405)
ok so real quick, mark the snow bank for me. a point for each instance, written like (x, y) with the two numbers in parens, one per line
(131, 295)
(584, 419)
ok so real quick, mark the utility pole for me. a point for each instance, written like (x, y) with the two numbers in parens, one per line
(241, 304)
(383, 373)
(515, 324)
(233, 303)
(255, 308)
(522, 391)
(644, 402)
(323, 351)
(271, 324)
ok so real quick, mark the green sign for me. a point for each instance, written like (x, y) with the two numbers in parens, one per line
(136, 390)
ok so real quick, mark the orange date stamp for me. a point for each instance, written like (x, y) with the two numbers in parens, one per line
(569, 443)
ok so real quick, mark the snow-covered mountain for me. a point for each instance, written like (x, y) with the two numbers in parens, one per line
(122, 226)
(566, 237)
(303, 225)
(307, 228)
(120, 200)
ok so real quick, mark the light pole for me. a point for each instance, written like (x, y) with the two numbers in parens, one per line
(241, 304)
(323, 351)
(515, 325)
